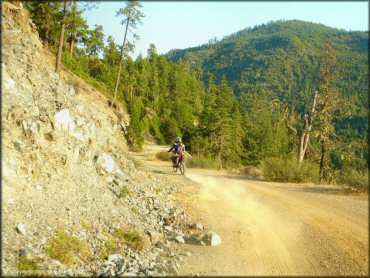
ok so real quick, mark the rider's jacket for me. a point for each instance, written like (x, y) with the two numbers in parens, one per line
(177, 148)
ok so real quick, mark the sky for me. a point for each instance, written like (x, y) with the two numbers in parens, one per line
(181, 24)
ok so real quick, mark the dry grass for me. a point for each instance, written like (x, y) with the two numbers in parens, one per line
(66, 248)
(29, 266)
(251, 171)
(116, 242)
(130, 237)
(164, 156)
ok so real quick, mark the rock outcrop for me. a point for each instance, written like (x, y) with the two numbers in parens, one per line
(67, 178)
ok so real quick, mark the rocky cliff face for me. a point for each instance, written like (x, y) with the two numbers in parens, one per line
(73, 202)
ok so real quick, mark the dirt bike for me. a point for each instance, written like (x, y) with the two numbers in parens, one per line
(180, 164)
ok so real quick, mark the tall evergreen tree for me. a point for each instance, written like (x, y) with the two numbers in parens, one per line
(58, 65)
(132, 16)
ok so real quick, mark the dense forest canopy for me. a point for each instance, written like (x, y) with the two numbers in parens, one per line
(245, 100)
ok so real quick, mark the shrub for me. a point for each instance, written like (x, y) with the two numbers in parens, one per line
(131, 238)
(289, 170)
(164, 156)
(30, 266)
(251, 171)
(64, 248)
(355, 179)
(124, 192)
(201, 162)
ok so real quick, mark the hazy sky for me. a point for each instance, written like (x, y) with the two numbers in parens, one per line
(181, 24)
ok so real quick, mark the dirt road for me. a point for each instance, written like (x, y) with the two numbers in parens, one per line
(270, 228)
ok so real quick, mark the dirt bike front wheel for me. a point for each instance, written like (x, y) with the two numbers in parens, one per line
(182, 168)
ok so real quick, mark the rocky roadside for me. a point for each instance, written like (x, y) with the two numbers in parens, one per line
(74, 203)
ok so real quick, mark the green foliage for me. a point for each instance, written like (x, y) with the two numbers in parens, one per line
(118, 239)
(282, 60)
(164, 156)
(202, 162)
(136, 128)
(124, 192)
(131, 238)
(29, 266)
(65, 248)
(94, 41)
(289, 170)
(234, 101)
(46, 15)
(354, 178)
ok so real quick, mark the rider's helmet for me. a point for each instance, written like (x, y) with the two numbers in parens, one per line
(178, 140)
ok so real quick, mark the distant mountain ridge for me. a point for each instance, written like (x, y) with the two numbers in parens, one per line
(282, 57)
(281, 60)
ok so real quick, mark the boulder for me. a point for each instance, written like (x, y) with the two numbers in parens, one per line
(197, 226)
(194, 240)
(63, 120)
(180, 239)
(20, 146)
(21, 229)
(212, 239)
(105, 163)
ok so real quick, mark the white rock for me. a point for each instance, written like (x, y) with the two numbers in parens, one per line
(119, 172)
(91, 128)
(63, 119)
(197, 226)
(109, 179)
(79, 135)
(80, 108)
(9, 84)
(102, 237)
(11, 202)
(115, 257)
(56, 263)
(80, 121)
(21, 229)
(212, 239)
(71, 127)
(72, 90)
(33, 127)
(168, 228)
(39, 187)
(180, 239)
(106, 162)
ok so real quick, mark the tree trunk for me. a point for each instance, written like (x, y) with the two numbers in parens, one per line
(73, 33)
(305, 137)
(120, 64)
(61, 40)
(47, 28)
(323, 162)
(46, 42)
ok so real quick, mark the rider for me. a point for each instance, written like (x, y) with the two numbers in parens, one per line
(177, 148)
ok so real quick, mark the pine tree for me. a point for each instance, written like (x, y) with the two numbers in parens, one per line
(45, 15)
(58, 65)
(132, 16)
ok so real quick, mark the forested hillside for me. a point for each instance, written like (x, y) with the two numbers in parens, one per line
(240, 101)
(283, 59)
(280, 62)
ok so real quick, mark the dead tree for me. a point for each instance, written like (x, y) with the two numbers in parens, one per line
(305, 137)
